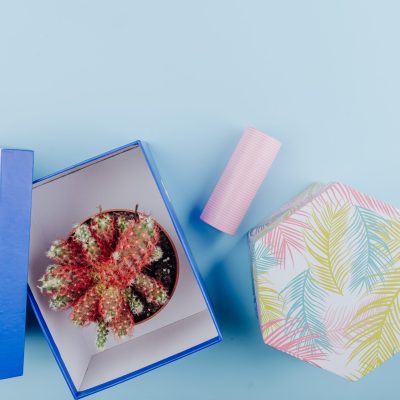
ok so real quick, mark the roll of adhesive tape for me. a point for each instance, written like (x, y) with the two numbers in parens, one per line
(240, 181)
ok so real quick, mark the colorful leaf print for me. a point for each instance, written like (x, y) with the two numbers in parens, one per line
(286, 238)
(337, 319)
(338, 305)
(375, 329)
(306, 300)
(326, 244)
(365, 201)
(372, 256)
(271, 302)
(263, 258)
(287, 336)
(392, 238)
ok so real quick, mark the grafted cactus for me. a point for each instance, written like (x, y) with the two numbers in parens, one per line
(101, 271)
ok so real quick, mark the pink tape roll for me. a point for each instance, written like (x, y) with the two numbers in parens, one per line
(240, 181)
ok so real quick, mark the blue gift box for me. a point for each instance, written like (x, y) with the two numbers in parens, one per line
(15, 207)
(117, 179)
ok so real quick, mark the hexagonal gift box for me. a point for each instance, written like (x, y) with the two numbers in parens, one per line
(327, 279)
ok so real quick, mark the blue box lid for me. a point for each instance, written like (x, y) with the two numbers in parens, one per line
(15, 209)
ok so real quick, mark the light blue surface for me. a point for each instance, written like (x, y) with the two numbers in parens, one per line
(78, 78)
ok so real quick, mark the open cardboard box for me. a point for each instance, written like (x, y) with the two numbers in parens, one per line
(118, 179)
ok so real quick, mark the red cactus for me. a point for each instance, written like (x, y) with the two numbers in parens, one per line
(66, 279)
(66, 252)
(122, 323)
(111, 303)
(104, 229)
(97, 267)
(151, 288)
(85, 309)
(136, 246)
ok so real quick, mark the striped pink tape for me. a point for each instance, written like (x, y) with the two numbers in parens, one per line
(240, 181)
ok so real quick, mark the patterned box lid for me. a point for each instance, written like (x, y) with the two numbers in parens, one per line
(326, 273)
(15, 211)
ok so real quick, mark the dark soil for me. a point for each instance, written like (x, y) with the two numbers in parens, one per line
(165, 270)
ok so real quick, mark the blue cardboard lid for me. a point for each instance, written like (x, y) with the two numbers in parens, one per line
(15, 209)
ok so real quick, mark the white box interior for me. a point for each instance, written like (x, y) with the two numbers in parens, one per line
(119, 180)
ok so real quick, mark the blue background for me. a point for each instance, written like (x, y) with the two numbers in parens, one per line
(81, 77)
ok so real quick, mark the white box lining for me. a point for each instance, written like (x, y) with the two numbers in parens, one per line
(118, 180)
